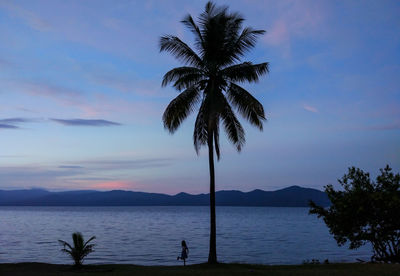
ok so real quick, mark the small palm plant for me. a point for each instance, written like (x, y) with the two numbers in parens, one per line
(80, 249)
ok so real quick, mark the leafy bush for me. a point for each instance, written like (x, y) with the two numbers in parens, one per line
(365, 212)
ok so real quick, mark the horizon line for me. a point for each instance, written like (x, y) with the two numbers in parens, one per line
(104, 191)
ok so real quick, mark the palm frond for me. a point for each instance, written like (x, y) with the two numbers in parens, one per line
(180, 72)
(188, 81)
(246, 41)
(212, 51)
(250, 108)
(179, 108)
(89, 240)
(233, 128)
(200, 133)
(245, 72)
(212, 10)
(192, 26)
(217, 28)
(180, 50)
(88, 249)
(232, 29)
(77, 238)
(66, 251)
(224, 40)
(216, 138)
(65, 244)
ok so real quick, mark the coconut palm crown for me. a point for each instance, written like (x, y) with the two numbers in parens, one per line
(210, 82)
(80, 248)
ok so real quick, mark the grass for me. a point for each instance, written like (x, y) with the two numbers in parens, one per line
(25, 269)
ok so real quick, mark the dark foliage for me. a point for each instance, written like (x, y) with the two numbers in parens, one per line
(209, 83)
(365, 212)
(209, 80)
(80, 248)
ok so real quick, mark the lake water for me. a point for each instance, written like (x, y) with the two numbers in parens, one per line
(152, 235)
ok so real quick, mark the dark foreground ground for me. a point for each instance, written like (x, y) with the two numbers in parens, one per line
(41, 269)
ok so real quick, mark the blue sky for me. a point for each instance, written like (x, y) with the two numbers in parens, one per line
(80, 83)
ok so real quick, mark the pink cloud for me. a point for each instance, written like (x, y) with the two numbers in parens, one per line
(114, 108)
(310, 108)
(79, 22)
(48, 90)
(297, 19)
(278, 33)
(127, 84)
(5, 63)
(64, 96)
(31, 18)
(97, 105)
(113, 185)
(38, 88)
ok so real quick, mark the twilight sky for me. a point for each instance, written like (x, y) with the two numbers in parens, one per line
(81, 96)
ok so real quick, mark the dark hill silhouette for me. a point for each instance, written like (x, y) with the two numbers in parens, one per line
(293, 196)
(21, 195)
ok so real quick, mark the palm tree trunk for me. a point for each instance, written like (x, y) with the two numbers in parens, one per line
(212, 255)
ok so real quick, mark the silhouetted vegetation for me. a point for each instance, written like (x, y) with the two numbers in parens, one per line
(365, 212)
(80, 248)
(208, 81)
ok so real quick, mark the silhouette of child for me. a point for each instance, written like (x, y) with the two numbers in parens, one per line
(184, 253)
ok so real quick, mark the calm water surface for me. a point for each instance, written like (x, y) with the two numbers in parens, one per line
(152, 235)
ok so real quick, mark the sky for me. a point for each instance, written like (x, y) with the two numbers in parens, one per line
(81, 96)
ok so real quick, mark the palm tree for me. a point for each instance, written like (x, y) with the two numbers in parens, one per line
(209, 81)
(80, 249)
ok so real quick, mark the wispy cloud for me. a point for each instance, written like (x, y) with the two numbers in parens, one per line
(115, 164)
(105, 174)
(278, 34)
(70, 167)
(50, 90)
(64, 95)
(5, 126)
(31, 18)
(126, 83)
(12, 156)
(89, 104)
(26, 176)
(15, 120)
(310, 108)
(79, 22)
(85, 122)
(392, 126)
(297, 19)
(5, 63)
(12, 123)
(26, 110)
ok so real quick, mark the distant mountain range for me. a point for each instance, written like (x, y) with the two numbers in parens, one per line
(293, 196)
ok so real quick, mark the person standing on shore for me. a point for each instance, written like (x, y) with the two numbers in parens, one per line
(184, 253)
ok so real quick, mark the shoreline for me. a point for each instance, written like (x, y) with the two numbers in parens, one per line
(222, 269)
